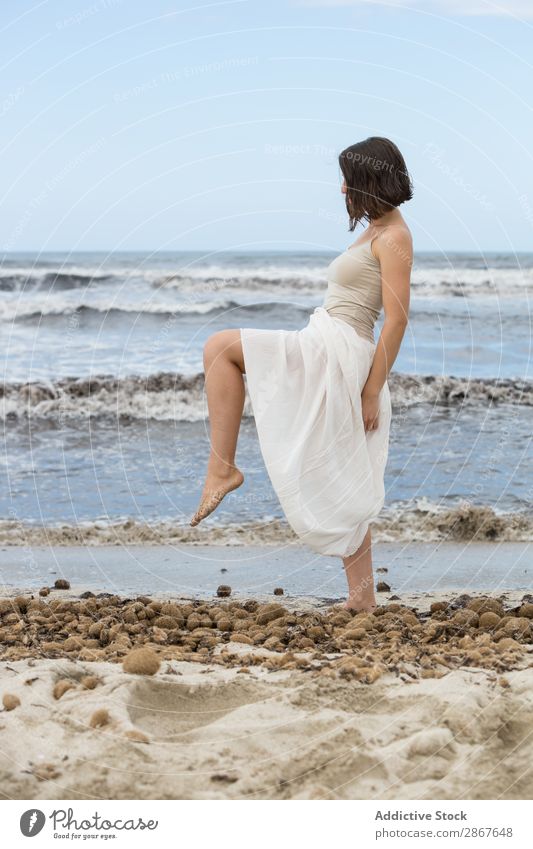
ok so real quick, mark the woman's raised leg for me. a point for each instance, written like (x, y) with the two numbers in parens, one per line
(224, 385)
(358, 568)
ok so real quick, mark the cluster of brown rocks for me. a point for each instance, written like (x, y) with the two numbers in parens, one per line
(394, 638)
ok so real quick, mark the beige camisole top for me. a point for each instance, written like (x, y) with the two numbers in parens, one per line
(354, 288)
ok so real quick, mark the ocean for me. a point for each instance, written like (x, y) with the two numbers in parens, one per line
(105, 418)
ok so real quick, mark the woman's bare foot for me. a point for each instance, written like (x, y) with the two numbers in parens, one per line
(359, 606)
(361, 598)
(215, 488)
(358, 569)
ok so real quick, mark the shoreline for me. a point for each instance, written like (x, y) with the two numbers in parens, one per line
(421, 521)
(420, 602)
(196, 571)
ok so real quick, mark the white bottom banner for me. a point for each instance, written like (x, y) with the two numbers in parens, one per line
(243, 824)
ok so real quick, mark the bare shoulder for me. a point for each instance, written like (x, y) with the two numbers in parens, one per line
(396, 242)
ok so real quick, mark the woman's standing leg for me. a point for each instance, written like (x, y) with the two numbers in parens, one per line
(224, 385)
(358, 568)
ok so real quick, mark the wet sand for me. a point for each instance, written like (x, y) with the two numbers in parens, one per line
(196, 571)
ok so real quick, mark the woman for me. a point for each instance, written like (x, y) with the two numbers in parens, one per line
(320, 395)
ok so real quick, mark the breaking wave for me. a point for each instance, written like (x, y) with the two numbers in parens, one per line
(293, 273)
(419, 522)
(177, 397)
(108, 310)
(53, 280)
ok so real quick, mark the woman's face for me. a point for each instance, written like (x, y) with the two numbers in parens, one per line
(343, 186)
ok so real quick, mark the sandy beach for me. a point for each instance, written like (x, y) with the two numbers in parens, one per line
(265, 699)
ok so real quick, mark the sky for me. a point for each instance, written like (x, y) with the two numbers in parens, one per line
(159, 125)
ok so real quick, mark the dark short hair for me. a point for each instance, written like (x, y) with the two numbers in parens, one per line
(376, 178)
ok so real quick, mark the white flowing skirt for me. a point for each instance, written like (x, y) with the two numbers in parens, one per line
(305, 390)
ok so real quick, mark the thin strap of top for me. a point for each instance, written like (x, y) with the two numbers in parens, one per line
(354, 288)
(368, 242)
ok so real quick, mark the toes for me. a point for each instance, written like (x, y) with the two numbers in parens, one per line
(207, 505)
(196, 518)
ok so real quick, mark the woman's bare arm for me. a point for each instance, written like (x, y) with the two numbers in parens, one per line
(395, 254)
